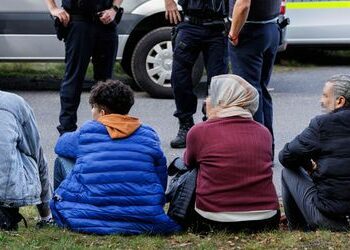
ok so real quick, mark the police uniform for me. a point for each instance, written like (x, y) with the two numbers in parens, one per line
(203, 31)
(254, 56)
(87, 37)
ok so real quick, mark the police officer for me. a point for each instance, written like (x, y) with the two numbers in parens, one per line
(254, 39)
(91, 32)
(202, 30)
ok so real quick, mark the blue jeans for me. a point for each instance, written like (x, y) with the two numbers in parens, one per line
(253, 59)
(298, 192)
(190, 41)
(84, 40)
(63, 167)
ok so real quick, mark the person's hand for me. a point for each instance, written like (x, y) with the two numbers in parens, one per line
(62, 15)
(107, 16)
(312, 167)
(233, 38)
(172, 12)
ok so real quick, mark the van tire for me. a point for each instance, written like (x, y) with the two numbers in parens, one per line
(159, 38)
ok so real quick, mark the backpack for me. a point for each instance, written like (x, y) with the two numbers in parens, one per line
(10, 217)
(181, 192)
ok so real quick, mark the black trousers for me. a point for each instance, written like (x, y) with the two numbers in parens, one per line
(85, 40)
(190, 41)
(299, 192)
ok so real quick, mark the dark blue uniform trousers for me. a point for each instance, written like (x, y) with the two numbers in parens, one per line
(189, 42)
(84, 40)
(253, 59)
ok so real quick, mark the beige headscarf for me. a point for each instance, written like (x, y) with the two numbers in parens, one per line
(231, 95)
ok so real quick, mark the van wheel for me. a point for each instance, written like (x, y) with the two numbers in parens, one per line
(151, 63)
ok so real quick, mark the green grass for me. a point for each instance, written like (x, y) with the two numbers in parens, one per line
(55, 238)
(42, 70)
(31, 69)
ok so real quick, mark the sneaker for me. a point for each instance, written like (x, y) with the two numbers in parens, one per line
(180, 139)
(45, 223)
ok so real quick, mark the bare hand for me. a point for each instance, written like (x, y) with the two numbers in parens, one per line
(312, 167)
(172, 12)
(233, 38)
(62, 15)
(107, 16)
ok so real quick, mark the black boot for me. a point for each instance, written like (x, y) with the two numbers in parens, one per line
(180, 139)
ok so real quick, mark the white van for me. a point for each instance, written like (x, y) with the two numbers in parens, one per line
(321, 23)
(145, 51)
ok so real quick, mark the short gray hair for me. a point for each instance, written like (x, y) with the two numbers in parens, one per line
(341, 87)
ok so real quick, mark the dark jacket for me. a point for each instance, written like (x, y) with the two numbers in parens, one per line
(86, 6)
(327, 142)
(261, 10)
(205, 8)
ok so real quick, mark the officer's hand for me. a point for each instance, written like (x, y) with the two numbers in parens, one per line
(62, 15)
(233, 39)
(107, 16)
(172, 12)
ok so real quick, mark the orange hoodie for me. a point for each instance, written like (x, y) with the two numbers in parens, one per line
(120, 126)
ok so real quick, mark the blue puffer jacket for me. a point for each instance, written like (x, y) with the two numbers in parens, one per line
(117, 185)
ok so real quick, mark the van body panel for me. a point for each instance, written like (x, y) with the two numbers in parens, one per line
(39, 47)
(317, 25)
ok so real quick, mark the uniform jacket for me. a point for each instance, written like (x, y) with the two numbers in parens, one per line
(86, 6)
(24, 174)
(261, 10)
(327, 142)
(117, 185)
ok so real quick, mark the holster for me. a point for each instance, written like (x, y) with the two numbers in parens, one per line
(61, 30)
(118, 15)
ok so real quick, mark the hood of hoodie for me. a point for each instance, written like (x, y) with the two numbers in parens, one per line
(120, 126)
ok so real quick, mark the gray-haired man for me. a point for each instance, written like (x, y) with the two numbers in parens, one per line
(316, 178)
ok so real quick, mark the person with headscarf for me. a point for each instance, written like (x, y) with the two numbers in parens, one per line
(233, 154)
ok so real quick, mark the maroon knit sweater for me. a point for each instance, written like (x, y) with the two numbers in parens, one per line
(234, 159)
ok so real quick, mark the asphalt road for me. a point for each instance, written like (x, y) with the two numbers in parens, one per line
(295, 94)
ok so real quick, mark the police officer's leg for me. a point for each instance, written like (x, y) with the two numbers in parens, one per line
(247, 60)
(215, 56)
(272, 35)
(186, 51)
(104, 52)
(215, 53)
(78, 52)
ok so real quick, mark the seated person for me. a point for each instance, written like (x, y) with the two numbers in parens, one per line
(233, 155)
(316, 177)
(24, 173)
(116, 183)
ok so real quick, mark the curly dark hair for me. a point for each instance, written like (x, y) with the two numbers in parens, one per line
(113, 96)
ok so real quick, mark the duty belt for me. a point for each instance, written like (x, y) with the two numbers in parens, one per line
(203, 21)
(93, 18)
